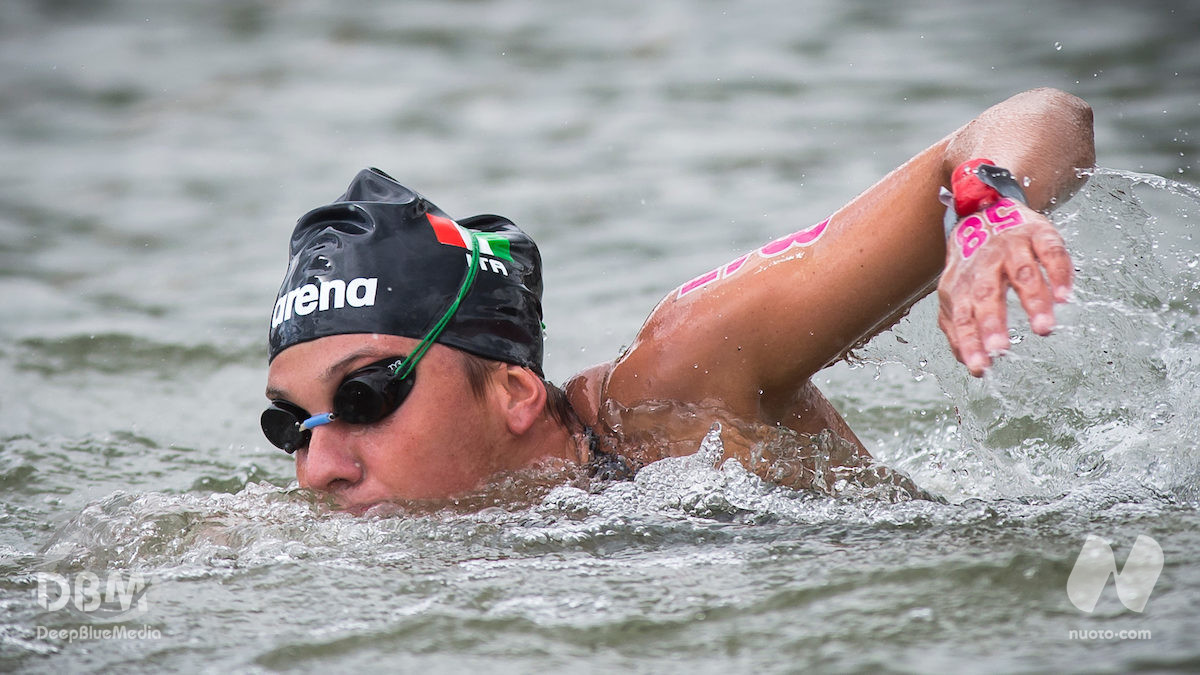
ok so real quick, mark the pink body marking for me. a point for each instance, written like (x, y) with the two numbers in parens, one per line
(700, 281)
(802, 238)
(974, 231)
(805, 237)
(1003, 215)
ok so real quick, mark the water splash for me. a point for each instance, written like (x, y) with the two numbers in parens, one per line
(652, 432)
(1089, 430)
(1111, 394)
(1102, 408)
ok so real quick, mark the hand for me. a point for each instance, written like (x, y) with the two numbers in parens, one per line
(1004, 245)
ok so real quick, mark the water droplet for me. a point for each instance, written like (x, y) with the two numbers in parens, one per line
(1058, 46)
(1027, 181)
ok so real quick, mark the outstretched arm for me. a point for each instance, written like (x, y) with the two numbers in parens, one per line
(748, 336)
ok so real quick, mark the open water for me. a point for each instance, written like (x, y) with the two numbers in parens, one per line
(156, 154)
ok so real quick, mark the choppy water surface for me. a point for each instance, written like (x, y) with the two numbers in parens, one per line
(156, 157)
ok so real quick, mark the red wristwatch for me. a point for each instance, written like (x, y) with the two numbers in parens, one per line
(974, 185)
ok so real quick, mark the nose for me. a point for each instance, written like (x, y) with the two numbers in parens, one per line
(329, 464)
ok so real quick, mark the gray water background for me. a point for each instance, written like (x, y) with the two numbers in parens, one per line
(156, 154)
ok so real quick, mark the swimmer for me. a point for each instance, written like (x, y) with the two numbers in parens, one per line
(406, 346)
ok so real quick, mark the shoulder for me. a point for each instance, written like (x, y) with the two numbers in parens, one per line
(584, 391)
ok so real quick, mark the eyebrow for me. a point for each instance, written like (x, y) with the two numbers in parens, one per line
(335, 368)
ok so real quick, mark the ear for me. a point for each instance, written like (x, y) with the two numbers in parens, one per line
(523, 395)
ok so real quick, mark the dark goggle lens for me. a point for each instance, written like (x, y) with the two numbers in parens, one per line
(366, 396)
(370, 394)
(281, 426)
(357, 402)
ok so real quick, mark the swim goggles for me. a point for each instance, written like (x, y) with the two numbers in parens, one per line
(368, 394)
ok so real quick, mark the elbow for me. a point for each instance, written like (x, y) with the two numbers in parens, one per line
(1073, 121)
(1046, 135)
(1082, 115)
(1073, 118)
(1069, 104)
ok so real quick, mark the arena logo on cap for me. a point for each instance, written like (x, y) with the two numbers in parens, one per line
(331, 294)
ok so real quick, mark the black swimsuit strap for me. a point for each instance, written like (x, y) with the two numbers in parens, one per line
(604, 465)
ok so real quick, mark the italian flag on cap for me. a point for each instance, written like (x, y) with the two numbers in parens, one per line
(449, 232)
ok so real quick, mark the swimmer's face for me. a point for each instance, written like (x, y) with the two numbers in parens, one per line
(440, 442)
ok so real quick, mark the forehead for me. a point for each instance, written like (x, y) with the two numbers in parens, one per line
(329, 358)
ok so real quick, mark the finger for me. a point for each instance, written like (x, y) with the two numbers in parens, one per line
(965, 329)
(1052, 253)
(989, 307)
(946, 304)
(947, 328)
(970, 347)
(1022, 271)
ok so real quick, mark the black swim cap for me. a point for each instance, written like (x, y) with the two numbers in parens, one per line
(383, 259)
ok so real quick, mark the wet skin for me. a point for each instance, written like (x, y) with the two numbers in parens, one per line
(746, 345)
(442, 441)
